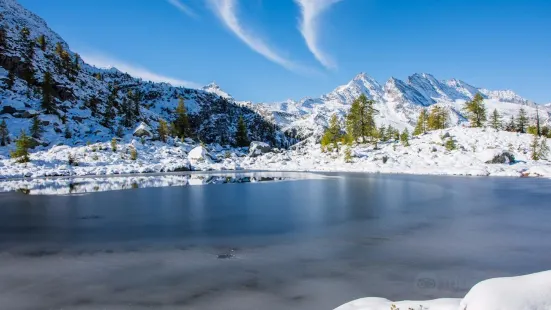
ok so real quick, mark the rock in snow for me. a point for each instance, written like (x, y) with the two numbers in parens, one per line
(199, 155)
(258, 148)
(528, 292)
(143, 131)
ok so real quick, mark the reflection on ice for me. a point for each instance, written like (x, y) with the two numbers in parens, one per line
(80, 185)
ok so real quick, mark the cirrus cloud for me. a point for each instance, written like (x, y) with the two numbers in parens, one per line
(311, 11)
(102, 61)
(226, 11)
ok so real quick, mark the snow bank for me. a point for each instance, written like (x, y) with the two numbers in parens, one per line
(528, 292)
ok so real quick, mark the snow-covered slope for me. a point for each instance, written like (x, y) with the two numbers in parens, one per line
(399, 102)
(81, 93)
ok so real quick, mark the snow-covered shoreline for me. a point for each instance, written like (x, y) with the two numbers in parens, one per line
(525, 292)
(478, 152)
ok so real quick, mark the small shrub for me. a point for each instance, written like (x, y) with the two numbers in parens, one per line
(133, 154)
(95, 157)
(227, 154)
(347, 155)
(114, 144)
(450, 145)
(72, 160)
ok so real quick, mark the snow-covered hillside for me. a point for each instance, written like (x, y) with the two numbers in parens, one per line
(82, 93)
(398, 102)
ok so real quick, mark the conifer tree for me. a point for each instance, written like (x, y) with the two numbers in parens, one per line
(404, 137)
(181, 123)
(48, 102)
(241, 138)
(3, 39)
(383, 134)
(332, 134)
(36, 128)
(114, 145)
(76, 63)
(360, 121)
(538, 126)
(67, 133)
(42, 42)
(28, 69)
(109, 114)
(22, 145)
(438, 118)
(58, 49)
(422, 123)
(522, 121)
(4, 133)
(10, 80)
(162, 130)
(476, 111)
(512, 125)
(495, 120)
(534, 148)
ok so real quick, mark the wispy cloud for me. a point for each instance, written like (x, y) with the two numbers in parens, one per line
(311, 12)
(102, 61)
(183, 8)
(226, 10)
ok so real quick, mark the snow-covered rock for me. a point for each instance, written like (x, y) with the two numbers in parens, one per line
(528, 292)
(496, 156)
(374, 303)
(143, 131)
(199, 155)
(258, 148)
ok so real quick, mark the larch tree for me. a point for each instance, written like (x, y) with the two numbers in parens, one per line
(162, 130)
(360, 121)
(476, 111)
(36, 128)
(180, 124)
(22, 146)
(438, 118)
(42, 42)
(422, 123)
(404, 137)
(332, 134)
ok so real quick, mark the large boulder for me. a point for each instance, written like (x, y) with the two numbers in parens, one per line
(258, 148)
(143, 131)
(496, 156)
(199, 155)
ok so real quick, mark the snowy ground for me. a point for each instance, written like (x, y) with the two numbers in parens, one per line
(426, 154)
(513, 293)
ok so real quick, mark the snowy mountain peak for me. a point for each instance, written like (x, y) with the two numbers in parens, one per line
(215, 89)
(360, 84)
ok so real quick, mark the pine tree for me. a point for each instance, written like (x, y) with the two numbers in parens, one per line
(22, 145)
(10, 80)
(241, 138)
(28, 69)
(332, 134)
(495, 120)
(67, 133)
(422, 123)
(522, 121)
(36, 128)
(181, 123)
(512, 125)
(534, 147)
(162, 130)
(4, 133)
(538, 126)
(42, 42)
(109, 114)
(476, 111)
(48, 102)
(76, 63)
(3, 39)
(404, 137)
(383, 134)
(347, 154)
(543, 149)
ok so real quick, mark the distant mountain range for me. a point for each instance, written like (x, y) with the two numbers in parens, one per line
(82, 97)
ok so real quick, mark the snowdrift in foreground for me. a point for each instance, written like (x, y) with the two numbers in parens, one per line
(528, 292)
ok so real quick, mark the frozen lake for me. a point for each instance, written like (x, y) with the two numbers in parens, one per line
(288, 241)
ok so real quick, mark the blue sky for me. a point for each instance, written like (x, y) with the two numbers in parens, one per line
(271, 50)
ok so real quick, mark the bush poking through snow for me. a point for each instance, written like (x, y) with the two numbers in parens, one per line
(347, 155)
(450, 144)
(133, 154)
(72, 160)
(114, 145)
